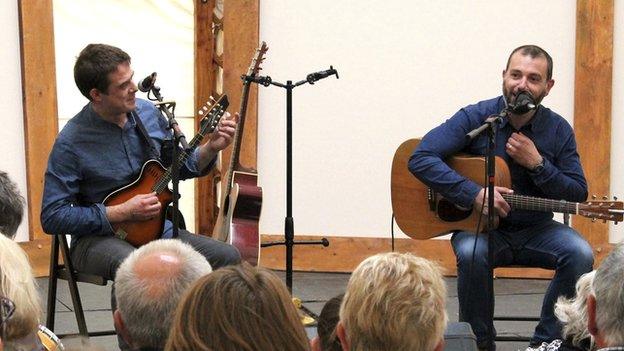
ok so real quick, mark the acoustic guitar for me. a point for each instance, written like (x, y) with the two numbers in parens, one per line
(422, 213)
(155, 178)
(241, 197)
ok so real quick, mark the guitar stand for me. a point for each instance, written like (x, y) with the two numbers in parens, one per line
(289, 236)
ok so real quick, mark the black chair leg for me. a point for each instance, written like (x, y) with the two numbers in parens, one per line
(52, 280)
(73, 289)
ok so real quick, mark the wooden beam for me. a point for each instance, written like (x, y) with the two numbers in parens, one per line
(592, 107)
(205, 194)
(40, 113)
(241, 28)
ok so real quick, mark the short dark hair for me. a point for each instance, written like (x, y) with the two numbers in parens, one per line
(327, 321)
(11, 206)
(534, 51)
(93, 65)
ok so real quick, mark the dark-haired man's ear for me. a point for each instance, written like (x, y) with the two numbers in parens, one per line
(96, 95)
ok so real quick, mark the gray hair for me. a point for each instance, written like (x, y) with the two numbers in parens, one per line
(573, 312)
(609, 292)
(147, 304)
(11, 206)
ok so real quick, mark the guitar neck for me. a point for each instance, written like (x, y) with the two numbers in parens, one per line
(236, 145)
(523, 202)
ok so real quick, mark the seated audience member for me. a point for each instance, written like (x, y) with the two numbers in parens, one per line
(149, 284)
(326, 340)
(11, 206)
(572, 314)
(394, 302)
(237, 308)
(21, 308)
(605, 305)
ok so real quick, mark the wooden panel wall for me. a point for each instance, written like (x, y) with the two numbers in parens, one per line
(592, 108)
(241, 31)
(40, 115)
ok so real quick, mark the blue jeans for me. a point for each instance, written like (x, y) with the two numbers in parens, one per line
(549, 245)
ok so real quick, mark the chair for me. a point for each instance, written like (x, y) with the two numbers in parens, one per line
(67, 272)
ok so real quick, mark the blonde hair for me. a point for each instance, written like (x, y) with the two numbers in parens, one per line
(237, 308)
(394, 301)
(573, 312)
(18, 285)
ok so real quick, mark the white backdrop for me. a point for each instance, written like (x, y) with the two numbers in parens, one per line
(404, 67)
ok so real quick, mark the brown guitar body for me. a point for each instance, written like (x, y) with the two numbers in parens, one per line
(239, 215)
(423, 215)
(139, 233)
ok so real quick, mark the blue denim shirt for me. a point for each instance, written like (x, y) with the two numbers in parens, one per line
(562, 177)
(91, 158)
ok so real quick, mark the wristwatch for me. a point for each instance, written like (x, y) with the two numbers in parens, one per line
(537, 168)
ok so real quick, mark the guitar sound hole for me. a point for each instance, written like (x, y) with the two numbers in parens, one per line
(448, 212)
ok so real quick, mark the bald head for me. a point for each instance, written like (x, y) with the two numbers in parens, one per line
(149, 284)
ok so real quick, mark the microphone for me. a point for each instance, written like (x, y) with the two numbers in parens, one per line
(147, 83)
(523, 104)
(313, 77)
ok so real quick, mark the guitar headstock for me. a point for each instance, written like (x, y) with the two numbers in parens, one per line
(212, 111)
(604, 210)
(254, 68)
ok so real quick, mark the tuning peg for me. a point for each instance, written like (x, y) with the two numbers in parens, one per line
(605, 197)
(615, 198)
(593, 220)
(594, 197)
(616, 222)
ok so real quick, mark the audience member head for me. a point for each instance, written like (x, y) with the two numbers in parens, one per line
(394, 301)
(11, 206)
(572, 313)
(605, 306)
(237, 308)
(326, 340)
(148, 286)
(93, 65)
(17, 284)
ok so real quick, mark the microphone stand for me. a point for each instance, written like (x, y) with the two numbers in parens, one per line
(289, 235)
(490, 125)
(168, 108)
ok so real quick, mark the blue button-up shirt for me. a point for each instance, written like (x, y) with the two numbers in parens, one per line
(91, 158)
(561, 178)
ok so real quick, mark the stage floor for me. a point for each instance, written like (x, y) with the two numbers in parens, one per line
(513, 297)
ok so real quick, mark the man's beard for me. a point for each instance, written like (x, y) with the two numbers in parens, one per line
(510, 97)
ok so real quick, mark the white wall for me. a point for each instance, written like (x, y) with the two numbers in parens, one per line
(617, 125)
(404, 68)
(11, 119)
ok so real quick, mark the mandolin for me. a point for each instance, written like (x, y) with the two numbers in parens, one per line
(154, 177)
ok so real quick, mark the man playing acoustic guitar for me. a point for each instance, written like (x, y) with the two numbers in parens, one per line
(103, 148)
(539, 148)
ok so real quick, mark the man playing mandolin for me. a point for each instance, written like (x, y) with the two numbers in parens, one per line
(103, 148)
(539, 148)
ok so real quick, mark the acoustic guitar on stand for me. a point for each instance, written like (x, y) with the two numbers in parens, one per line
(155, 178)
(241, 197)
(422, 213)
